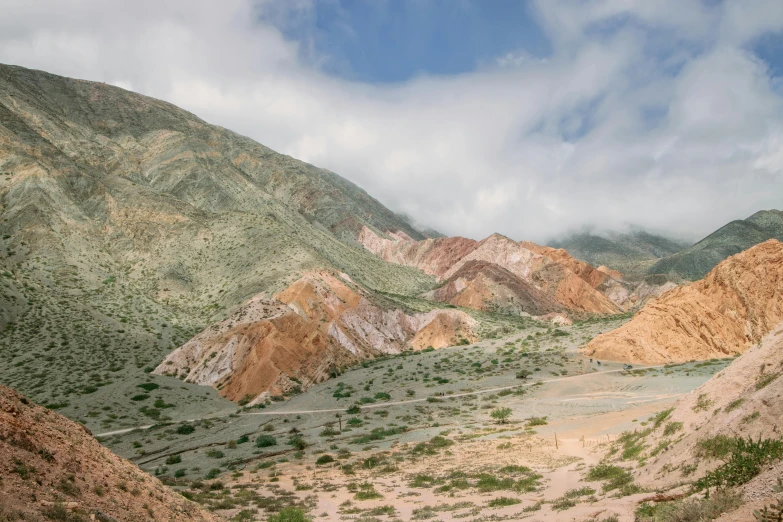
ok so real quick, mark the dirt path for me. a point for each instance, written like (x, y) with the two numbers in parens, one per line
(387, 404)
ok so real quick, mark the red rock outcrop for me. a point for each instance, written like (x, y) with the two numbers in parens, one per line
(482, 285)
(314, 327)
(538, 270)
(733, 307)
(51, 468)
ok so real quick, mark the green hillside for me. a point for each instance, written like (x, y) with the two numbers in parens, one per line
(630, 253)
(693, 263)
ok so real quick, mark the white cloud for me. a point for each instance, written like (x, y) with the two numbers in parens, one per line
(651, 113)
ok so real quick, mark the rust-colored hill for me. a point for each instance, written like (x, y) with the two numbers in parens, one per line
(319, 324)
(497, 273)
(733, 307)
(51, 468)
(482, 285)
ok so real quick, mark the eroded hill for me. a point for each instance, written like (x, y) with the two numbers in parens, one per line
(733, 307)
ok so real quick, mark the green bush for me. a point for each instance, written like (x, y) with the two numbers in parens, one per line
(149, 386)
(290, 514)
(503, 501)
(324, 459)
(264, 441)
(747, 459)
(173, 459)
(185, 429)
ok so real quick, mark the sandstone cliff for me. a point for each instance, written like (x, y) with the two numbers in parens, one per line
(52, 469)
(733, 307)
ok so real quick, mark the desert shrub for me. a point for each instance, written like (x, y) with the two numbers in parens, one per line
(290, 514)
(148, 386)
(173, 459)
(324, 459)
(613, 477)
(501, 414)
(503, 501)
(298, 442)
(717, 447)
(748, 456)
(672, 428)
(185, 429)
(702, 403)
(536, 421)
(264, 441)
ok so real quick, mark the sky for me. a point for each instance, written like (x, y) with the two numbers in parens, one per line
(528, 118)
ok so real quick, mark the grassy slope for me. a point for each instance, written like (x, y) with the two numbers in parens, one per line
(694, 262)
(630, 253)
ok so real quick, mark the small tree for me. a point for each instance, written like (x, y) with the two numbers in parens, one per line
(523, 374)
(501, 414)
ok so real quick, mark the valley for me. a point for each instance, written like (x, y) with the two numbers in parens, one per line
(417, 427)
(251, 337)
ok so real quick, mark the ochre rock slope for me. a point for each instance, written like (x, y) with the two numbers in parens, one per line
(319, 324)
(497, 273)
(734, 306)
(51, 468)
(743, 400)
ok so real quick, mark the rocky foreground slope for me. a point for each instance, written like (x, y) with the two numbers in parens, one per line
(743, 400)
(309, 331)
(733, 307)
(51, 468)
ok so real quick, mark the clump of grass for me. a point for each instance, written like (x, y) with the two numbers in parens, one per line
(717, 447)
(613, 477)
(733, 405)
(765, 380)
(659, 417)
(503, 501)
(672, 428)
(364, 491)
(702, 403)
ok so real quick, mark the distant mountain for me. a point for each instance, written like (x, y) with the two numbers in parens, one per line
(693, 263)
(630, 253)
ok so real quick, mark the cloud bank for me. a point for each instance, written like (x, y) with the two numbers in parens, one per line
(656, 114)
